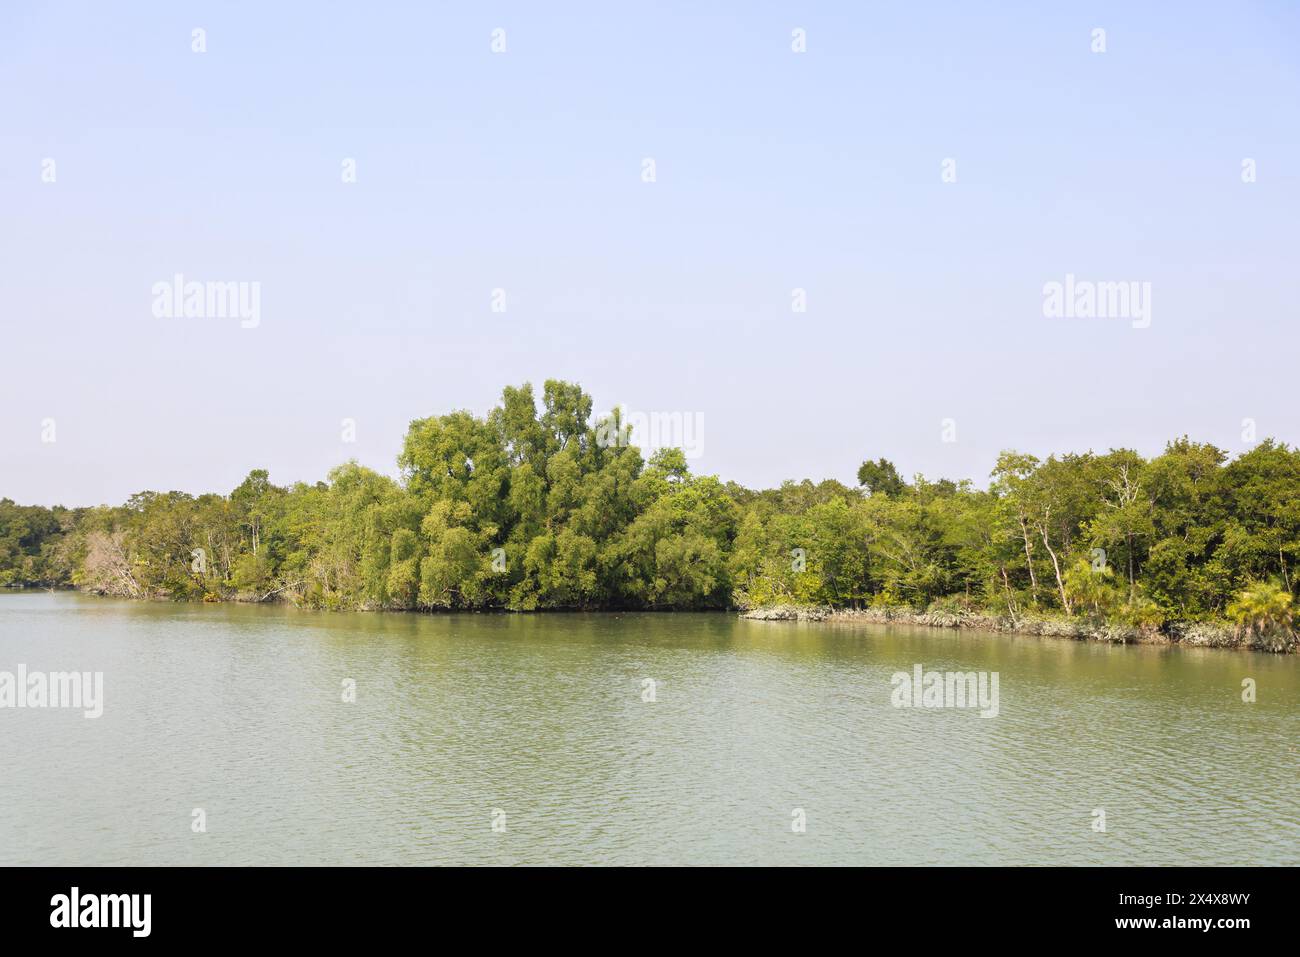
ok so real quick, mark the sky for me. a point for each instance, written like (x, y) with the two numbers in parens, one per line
(921, 171)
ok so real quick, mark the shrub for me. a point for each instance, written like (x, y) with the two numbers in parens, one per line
(1263, 614)
(1091, 590)
(1142, 613)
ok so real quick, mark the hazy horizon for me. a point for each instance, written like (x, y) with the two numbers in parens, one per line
(523, 171)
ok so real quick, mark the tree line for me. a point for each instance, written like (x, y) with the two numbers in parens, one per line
(543, 507)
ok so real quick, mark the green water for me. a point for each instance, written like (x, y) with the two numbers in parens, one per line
(539, 723)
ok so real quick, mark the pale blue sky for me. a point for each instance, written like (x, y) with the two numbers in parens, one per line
(522, 171)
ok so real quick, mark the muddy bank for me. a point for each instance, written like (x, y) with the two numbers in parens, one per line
(1198, 634)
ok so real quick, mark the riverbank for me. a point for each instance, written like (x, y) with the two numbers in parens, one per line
(1197, 634)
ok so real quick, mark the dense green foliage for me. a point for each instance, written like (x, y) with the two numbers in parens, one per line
(31, 544)
(530, 509)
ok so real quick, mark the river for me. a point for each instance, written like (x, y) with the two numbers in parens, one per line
(228, 737)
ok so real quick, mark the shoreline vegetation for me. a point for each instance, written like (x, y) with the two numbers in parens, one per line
(1199, 634)
(533, 508)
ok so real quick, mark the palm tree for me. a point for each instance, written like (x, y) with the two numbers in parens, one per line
(1091, 588)
(1263, 610)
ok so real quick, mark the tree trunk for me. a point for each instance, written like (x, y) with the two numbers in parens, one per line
(1132, 586)
(1011, 601)
(1060, 582)
(1029, 560)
